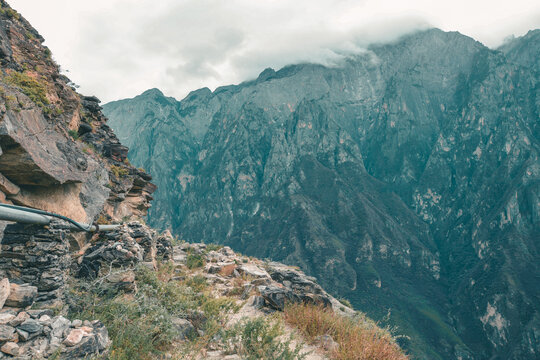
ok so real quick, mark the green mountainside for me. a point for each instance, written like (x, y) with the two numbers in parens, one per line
(406, 179)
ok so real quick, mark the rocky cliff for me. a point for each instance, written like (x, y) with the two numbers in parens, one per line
(57, 152)
(406, 178)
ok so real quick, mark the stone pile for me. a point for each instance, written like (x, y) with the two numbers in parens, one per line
(124, 248)
(37, 333)
(35, 255)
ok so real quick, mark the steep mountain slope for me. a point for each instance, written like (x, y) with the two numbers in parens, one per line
(407, 178)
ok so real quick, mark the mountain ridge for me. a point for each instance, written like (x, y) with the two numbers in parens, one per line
(377, 178)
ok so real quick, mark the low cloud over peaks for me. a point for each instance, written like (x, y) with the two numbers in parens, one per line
(119, 48)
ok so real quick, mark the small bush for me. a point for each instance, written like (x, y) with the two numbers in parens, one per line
(35, 89)
(139, 324)
(10, 13)
(358, 339)
(213, 247)
(259, 338)
(197, 283)
(74, 134)
(119, 172)
(346, 302)
(89, 149)
(194, 261)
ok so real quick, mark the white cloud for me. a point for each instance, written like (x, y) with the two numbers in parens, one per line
(119, 48)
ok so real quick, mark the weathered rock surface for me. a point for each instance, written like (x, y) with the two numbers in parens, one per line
(185, 330)
(10, 348)
(22, 296)
(5, 290)
(285, 284)
(37, 257)
(131, 244)
(39, 334)
(406, 179)
(58, 154)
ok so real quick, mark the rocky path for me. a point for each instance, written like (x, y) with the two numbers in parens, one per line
(260, 289)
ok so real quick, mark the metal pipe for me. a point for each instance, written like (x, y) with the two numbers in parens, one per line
(33, 216)
(21, 216)
(109, 227)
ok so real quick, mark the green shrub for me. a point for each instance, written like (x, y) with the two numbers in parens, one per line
(194, 261)
(139, 324)
(197, 283)
(74, 134)
(345, 302)
(213, 307)
(119, 171)
(213, 247)
(35, 89)
(259, 338)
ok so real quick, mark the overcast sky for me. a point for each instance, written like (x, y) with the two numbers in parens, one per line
(119, 48)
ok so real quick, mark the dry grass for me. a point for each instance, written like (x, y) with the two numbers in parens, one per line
(358, 339)
(227, 270)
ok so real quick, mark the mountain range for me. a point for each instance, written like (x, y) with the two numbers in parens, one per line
(406, 179)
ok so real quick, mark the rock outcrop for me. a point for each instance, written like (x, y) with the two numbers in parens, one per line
(37, 256)
(57, 152)
(128, 246)
(27, 333)
(38, 334)
(406, 178)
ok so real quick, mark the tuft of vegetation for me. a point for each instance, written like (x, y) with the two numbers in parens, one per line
(345, 302)
(35, 89)
(10, 13)
(74, 134)
(358, 338)
(140, 324)
(213, 247)
(10, 100)
(103, 220)
(89, 149)
(197, 283)
(260, 338)
(119, 171)
(194, 261)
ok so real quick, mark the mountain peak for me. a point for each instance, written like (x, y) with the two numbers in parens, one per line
(266, 74)
(153, 92)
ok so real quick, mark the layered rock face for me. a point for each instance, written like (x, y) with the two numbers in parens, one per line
(57, 152)
(406, 178)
